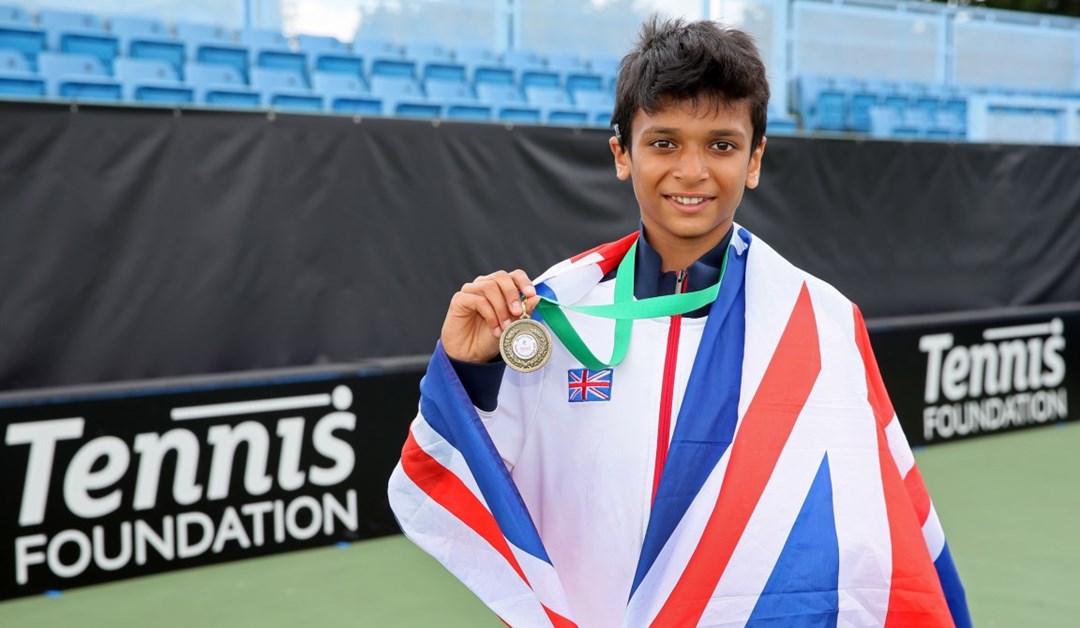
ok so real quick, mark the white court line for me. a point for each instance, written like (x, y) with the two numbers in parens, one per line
(1018, 331)
(249, 407)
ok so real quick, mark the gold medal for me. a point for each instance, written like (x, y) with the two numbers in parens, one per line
(525, 344)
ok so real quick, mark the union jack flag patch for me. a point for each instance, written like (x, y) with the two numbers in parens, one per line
(586, 385)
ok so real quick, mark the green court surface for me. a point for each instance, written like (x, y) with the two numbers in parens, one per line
(1010, 506)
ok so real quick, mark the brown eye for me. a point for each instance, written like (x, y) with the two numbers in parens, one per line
(663, 144)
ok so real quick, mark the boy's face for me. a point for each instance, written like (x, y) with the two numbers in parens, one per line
(689, 166)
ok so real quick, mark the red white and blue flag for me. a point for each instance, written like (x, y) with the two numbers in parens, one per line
(588, 385)
(790, 496)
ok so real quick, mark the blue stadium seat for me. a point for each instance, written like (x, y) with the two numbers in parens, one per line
(152, 81)
(396, 88)
(77, 77)
(270, 49)
(601, 116)
(498, 94)
(546, 97)
(425, 52)
(399, 68)
(565, 63)
(540, 78)
(468, 112)
(587, 91)
(474, 56)
(523, 61)
(859, 113)
(493, 75)
(417, 110)
(220, 85)
(446, 91)
(144, 38)
(328, 54)
(584, 82)
(79, 33)
(338, 63)
(16, 78)
(781, 124)
(445, 71)
(12, 15)
(25, 39)
(345, 94)
(13, 61)
(262, 38)
(401, 95)
(950, 125)
(446, 82)
(957, 105)
(212, 45)
(519, 114)
(377, 47)
(604, 66)
(359, 106)
(829, 112)
(805, 95)
(285, 89)
(373, 50)
(567, 117)
(593, 100)
(555, 105)
(322, 43)
(883, 121)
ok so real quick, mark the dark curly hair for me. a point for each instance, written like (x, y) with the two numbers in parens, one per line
(701, 62)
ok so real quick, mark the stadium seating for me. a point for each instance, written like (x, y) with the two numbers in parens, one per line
(77, 77)
(470, 112)
(152, 81)
(16, 77)
(498, 94)
(212, 45)
(400, 93)
(24, 38)
(79, 33)
(521, 114)
(261, 68)
(523, 61)
(270, 49)
(284, 88)
(220, 86)
(141, 38)
(14, 15)
(343, 93)
(374, 50)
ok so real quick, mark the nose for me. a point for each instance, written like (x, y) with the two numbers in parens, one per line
(691, 166)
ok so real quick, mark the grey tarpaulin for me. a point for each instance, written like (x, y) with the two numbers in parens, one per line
(137, 243)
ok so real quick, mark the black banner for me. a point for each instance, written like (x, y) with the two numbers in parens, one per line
(132, 481)
(117, 481)
(969, 375)
(214, 242)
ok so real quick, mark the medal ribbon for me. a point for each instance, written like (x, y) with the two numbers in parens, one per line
(625, 310)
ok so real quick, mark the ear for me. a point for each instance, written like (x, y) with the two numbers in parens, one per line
(622, 159)
(753, 173)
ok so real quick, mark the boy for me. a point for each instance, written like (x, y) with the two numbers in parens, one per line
(736, 459)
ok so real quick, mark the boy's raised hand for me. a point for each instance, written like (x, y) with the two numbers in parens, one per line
(481, 310)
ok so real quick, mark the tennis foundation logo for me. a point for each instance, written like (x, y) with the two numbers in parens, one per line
(185, 484)
(1013, 378)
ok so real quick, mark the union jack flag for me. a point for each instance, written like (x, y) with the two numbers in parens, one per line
(811, 513)
(586, 385)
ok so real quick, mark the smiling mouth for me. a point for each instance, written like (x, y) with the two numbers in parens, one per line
(688, 201)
